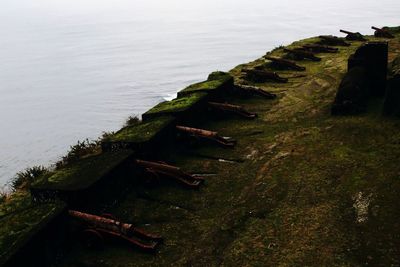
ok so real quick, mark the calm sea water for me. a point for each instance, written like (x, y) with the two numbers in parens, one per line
(71, 69)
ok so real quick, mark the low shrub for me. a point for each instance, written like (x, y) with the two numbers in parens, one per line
(24, 179)
(131, 120)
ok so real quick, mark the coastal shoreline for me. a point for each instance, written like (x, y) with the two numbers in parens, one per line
(294, 168)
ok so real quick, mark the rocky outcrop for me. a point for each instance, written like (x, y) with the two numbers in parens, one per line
(366, 78)
(392, 100)
(353, 93)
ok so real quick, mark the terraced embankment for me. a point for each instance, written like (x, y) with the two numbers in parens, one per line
(300, 188)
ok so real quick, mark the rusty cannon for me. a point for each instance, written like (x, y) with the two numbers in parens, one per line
(333, 40)
(161, 169)
(354, 36)
(302, 54)
(382, 32)
(97, 228)
(210, 135)
(258, 75)
(284, 63)
(253, 90)
(316, 48)
(239, 110)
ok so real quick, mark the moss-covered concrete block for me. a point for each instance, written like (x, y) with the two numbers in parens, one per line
(140, 135)
(191, 99)
(82, 174)
(177, 107)
(217, 81)
(21, 222)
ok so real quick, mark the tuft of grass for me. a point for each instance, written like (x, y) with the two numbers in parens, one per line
(83, 149)
(78, 151)
(105, 136)
(131, 120)
(276, 48)
(24, 179)
(3, 197)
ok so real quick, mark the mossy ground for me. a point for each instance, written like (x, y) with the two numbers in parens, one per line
(310, 189)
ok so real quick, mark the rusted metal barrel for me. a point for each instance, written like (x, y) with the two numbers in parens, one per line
(320, 48)
(228, 142)
(176, 173)
(256, 91)
(381, 32)
(233, 108)
(102, 222)
(225, 106)
(353, 36)
(261, 75)
(302, 54)
(98, 227)
(333, 40)
(196, 131)
(285, 63)
(157, 165)
(346, 32)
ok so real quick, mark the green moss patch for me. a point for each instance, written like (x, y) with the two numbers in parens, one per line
(142, 132)
(176, 106)
(23, 220)
(219, 75)
(83, 173)
(215, 81)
